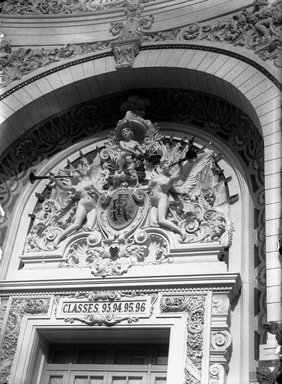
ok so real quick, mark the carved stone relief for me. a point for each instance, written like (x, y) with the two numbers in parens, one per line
(128, 35)
(54, 7)
(19, 307)
(220, 339)
(215, 116)
(119, 196)
(195, 308)
(116, 307)
(110, 307)
(258, 30)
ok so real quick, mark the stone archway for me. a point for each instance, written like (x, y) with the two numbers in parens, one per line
(218, 73)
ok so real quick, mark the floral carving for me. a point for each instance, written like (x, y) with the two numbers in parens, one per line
(115, 256)
(18, 309)
(195, 308)
(47, 7)
(16, 63)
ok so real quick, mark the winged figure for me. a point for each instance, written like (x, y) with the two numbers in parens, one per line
(85, 183)
(176, 175)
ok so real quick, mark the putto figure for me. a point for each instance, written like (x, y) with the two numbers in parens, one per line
(85, 190)
(161, 187)
(130, 149)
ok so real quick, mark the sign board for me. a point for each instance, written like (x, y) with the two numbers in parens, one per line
(139, 307)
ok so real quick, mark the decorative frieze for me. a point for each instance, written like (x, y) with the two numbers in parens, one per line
(57, 7)
(16, 63)
(257, 30)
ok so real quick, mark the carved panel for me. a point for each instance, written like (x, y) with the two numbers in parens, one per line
(194, 306)
(123, 196)
(106, 308)
(18, 308)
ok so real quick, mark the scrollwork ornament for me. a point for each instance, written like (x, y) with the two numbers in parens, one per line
(216, 374)
(108, 320)
(195, 308)
(22, 61)
(174, 304)
(11, 333)
(221, 340)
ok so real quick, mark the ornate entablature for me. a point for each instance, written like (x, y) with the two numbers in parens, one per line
(134, 200)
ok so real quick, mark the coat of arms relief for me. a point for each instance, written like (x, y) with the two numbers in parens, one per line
(128, 202)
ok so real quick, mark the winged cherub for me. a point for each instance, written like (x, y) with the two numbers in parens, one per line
(85, 187)
(163, 185)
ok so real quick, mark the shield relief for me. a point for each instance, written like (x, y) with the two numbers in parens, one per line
(124, 211)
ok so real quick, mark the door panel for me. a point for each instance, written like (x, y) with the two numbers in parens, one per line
(126, 378)
(96, 380)
(87, 378)
(158, 378)
(55, 377)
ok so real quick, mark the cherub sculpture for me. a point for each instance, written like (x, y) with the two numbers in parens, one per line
(164, 185)
(130, 148)
(84, 186)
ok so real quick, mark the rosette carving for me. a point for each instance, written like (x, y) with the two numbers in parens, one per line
(221, 340)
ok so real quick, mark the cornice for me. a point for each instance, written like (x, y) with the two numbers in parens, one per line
(225, 282)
